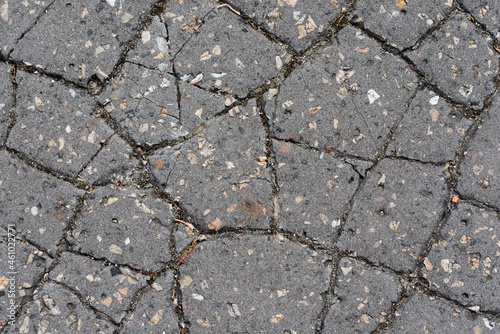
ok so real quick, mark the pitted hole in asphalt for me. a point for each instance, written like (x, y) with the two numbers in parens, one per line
(251, 207)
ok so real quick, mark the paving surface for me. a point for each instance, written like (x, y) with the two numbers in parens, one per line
(238, 166)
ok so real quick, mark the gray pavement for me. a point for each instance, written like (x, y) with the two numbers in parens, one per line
(234, 166)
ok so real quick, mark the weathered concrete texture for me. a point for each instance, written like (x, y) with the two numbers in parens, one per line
(314, 189)
(81, 38)
(145, 103)
(38, 204)
(16, 17)
(480, 170)
(6, 100)
(57, 310)
(115, 157)
(108, 288)
(152, 49)
(363, 297)
(155, 311)
(20, 273)
(55, 125)
(420, 313)
(347, 97)
(463, 263)
(213, 59)
(485, 12)
(297, 23)
(109, 224)
(430, 131)
(460, 60)
(395, 213)
(222, 181)
(401, 23)
(183, 19)
(277, 287)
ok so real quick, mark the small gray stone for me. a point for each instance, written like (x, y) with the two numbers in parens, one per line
(314, 190)
(125, 225)
(6, 100)
(221, 180)
(253, 284)
(463, 264)
(38, 204)
(81, 38)
(155, 312)
(212, 57)
(420, 313)
(57, 310)
(115, 157)
(363, 296)
(152, 50)
(395, 213)
(430, 131)
(297, 23)
(55, 125)
(460, 60)
(16, 17)
(347, 97)
(480, 169)
(401, 23)
(110, 289)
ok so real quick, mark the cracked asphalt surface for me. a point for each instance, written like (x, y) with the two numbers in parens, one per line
(239, 166)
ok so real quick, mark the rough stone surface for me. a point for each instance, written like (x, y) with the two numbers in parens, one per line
(115, 157)
(26, 267)
(395, 213)
(155, 311)
(421, 313)
(401, 23)
(80, 39)
(227, 183)
(145, 103)
(16, 18)
(430, 131)
(184, 19)
(462, 264)
(485, 12)
(460, 60)
(220, 166)
(152, 49)
(108, 288)
(56, 309)
(55, 125)
(6, 100)
(223, 64)
(277, 286)
(346, 97)
(297, 23)
(38, 204)
(480, 170)
(362, 297)
(109, 226)
(314, 190)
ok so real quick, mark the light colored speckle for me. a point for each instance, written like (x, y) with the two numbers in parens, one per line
(372, 96)
(34, 210)
(218, 75)
(127, 241)
(165, 83)
(111, 2)
(72, 92)
(335, 223)
(434, 100)
(162, 44)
